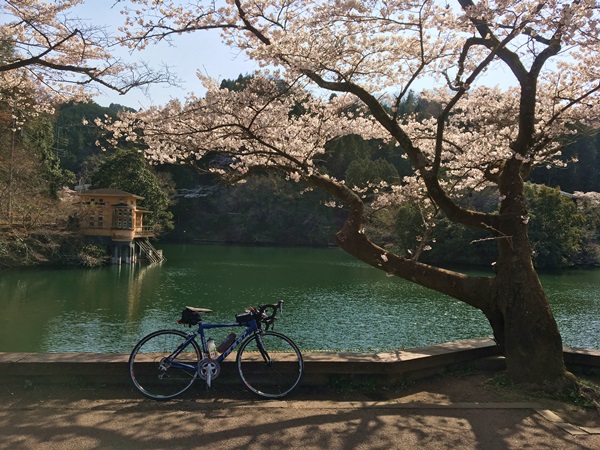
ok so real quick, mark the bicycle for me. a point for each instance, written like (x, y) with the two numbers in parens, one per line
(165, 363)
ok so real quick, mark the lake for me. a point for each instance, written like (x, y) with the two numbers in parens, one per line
(332, 302)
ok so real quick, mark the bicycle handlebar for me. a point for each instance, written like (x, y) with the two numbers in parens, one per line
(274, 307)
(262, 314)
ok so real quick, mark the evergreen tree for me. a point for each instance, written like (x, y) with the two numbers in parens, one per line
(582, 171)
(555, 226)
(77, 135)
(38, 135)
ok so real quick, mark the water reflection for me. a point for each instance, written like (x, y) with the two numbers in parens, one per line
(332, 302)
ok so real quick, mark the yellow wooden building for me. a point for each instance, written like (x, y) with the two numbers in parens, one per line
(113, 218)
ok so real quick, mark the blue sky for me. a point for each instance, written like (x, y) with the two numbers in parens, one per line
(199, 51)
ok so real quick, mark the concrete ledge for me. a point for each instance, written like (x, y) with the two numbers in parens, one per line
(582, 360)
(391, 366)
(320, 367)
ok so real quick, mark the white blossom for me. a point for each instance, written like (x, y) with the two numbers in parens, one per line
(308, 49)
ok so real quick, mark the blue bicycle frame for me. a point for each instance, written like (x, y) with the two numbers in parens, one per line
(250, 328)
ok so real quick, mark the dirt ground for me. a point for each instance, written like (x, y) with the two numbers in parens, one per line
(465, 410)
(465, 387)
(495, 388)
(449, 388)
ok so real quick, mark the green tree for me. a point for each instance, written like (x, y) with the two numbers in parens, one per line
(582, 171)
(342, 152)
(38, 134)
(555, 227)
(370, 160)
(555, 231)
(76, 134)
(128, 170)
(236, 85)
(30, 174)
(399, 227)
(588, 205)
(264, 210)
(363, 171)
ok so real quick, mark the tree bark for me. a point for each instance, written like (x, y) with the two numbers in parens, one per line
(524, 326)
(519, 312)
(513, 301)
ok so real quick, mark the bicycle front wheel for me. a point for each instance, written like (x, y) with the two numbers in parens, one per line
(270, 364)
(164, 364)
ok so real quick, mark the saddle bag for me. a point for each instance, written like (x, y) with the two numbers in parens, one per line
(189, 317)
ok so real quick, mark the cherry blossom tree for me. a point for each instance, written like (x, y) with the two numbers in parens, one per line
(371, 53)
(47, 55)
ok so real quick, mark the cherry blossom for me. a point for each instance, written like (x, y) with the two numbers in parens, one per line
(368, 48)
(370, 54)
(50, 55)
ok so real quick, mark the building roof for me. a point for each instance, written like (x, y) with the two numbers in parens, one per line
(122, 205)
(110, 192)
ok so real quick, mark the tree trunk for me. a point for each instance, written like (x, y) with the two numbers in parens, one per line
(518, 310)
(525, 328)
(514, 301)
(522, 321)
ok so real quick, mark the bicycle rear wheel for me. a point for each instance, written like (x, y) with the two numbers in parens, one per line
(160, 369)
(270, 364)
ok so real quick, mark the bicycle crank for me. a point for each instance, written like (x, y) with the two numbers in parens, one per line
(208, 370)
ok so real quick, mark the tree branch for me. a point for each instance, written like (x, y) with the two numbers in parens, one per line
(474, 291)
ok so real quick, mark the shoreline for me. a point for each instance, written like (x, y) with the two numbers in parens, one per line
(320, 367)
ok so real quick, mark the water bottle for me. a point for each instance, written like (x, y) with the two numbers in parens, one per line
(212, 348)
(226, 343)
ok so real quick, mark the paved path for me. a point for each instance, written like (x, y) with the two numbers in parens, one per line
(81, 420)
(87, 402)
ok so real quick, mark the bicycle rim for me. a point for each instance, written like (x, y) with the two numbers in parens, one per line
(158, 375)
(277, 374)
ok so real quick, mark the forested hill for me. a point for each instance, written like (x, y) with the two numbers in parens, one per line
(192, 205)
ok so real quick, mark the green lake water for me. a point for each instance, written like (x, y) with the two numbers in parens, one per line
(332, 302)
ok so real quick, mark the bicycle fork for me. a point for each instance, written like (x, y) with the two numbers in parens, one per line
(262, 350)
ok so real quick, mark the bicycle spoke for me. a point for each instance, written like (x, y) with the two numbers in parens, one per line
(270, 365)
(160, 373)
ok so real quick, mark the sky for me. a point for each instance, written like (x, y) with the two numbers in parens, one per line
(189, 53)
(199, 51)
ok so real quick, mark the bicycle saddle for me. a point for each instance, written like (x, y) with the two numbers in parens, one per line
(199, 310)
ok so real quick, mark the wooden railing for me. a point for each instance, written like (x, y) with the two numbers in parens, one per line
(144, 232)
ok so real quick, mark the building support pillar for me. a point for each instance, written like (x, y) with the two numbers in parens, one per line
(115, 250)
(129, 253)
(123, 253)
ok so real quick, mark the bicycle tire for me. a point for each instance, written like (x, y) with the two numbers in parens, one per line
(159, 381)
(278, 376)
